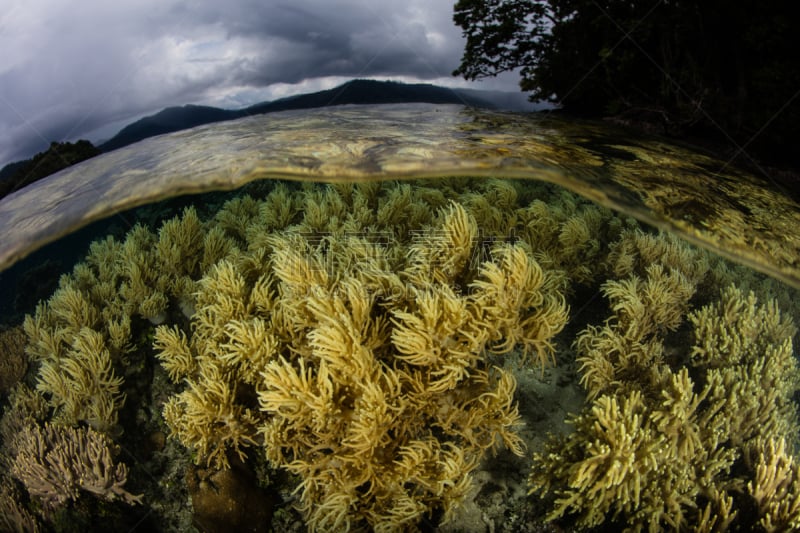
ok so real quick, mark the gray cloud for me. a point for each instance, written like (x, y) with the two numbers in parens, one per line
(69, 68)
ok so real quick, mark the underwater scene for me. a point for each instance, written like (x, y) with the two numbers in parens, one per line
(470, 352)
(456, 354)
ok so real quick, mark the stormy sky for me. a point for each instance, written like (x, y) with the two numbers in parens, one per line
(85, 68)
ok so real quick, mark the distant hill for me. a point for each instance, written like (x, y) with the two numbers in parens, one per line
(373, 92)
(166, 121)
(352, 92)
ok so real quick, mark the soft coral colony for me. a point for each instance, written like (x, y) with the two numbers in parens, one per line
(694, 438)
(366, 355)
(355, 335)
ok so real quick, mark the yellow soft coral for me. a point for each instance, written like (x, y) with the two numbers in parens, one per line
(663, 454)
(207, 418)
(368, 358)
(776, 487)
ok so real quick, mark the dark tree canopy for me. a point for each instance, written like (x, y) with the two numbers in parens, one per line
(60, 155)
(724, 69)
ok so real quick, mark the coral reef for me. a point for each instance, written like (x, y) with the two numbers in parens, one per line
(575, 235)
(652, 279)
(13, 363)
(55, 463)
(13, 515)
(666, 444)
(361, 338)
(52, 465)
(384, 300)
(81, 336)
(776, 487)
(25, 408)
(76, 370)
(373, 384)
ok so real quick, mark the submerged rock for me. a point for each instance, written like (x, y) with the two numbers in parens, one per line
(229, 500)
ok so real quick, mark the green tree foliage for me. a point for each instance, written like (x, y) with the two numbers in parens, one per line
(726, 69)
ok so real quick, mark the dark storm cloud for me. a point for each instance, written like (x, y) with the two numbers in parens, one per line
(69, 68)
(313, 39)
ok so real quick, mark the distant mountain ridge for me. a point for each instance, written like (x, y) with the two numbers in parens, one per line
(166, 121)
(179, 118)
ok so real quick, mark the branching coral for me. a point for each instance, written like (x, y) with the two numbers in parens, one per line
(570, 232)
(82, 334)
(355, 331)
(631, 342)
(642, 461)
(776, 487)
(12, 358)
(738, 330)
(635, 250)
(662, 444)
(55, 463)
(25, 407)
(519, 303)
(654, 278)
(372, 379)
(207, 417)
(228, 349)
(746, 349)
(444, 251)
(78, 378)
(13, 515)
